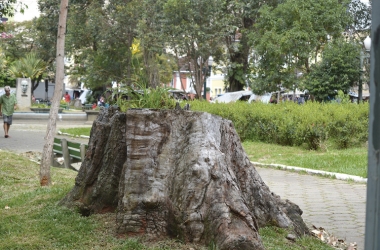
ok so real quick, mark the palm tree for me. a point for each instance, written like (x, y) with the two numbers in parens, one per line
(29, 67)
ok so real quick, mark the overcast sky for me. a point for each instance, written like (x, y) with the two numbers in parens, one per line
(29, 13)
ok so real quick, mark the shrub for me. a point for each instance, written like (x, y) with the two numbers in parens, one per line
(312, 123)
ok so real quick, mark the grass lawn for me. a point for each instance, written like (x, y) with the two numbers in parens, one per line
(77, 131)
(351, 161)
(31, 219)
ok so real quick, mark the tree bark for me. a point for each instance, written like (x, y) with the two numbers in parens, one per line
(181, 174)
(45, 179)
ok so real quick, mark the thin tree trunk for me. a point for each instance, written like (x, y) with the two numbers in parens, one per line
(45, 179)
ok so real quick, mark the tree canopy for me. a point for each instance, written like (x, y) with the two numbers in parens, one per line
(338, 70)
(262, 44)
(290, 35)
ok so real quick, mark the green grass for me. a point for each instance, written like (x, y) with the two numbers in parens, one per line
(77, 131)
(352, 161)
(274, 238)
(31, 219)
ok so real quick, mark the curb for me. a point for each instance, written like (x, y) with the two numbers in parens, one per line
(339, 176)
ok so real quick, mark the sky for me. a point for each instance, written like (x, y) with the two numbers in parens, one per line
(29, 13)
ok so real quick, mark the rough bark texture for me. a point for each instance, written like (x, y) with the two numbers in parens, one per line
(180, 174)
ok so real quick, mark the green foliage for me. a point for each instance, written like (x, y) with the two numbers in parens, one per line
(196, 29)
(352, 161)
(360, 13)
(23, 39)
(77, 131)
(40, 105)
(8, 7)
(339, 69)
(274, 236)
(154, 98)
(291, 34)
(342, 97)
(311, 124)
(351, 124)
(5, 79)
(29, 66)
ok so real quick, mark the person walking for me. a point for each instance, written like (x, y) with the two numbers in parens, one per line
(8, 104)
(67, 98)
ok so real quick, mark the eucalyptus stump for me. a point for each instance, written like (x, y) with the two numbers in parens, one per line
(181, 174)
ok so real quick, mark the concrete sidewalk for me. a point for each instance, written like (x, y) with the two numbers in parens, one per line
(29, 134)
(336, 205)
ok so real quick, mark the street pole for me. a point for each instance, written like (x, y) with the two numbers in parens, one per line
(372, 228)
(204, 86)
(360, 87)
(363, 56)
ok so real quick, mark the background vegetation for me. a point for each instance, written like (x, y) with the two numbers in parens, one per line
(312, 124)
(265, 45)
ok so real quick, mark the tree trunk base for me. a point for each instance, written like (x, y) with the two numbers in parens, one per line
(180, 174)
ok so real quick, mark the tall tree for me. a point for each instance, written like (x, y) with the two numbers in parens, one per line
(47, 29)
(241, 17)
(194, 30)
(290, 35)
(45, 179)
(101, 35)
(338, 70)
(361, 19)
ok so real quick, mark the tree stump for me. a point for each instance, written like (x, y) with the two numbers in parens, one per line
(176, 173)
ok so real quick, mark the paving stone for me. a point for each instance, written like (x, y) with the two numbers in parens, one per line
(336, 205)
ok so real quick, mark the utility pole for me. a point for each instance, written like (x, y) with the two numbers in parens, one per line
(372, 228)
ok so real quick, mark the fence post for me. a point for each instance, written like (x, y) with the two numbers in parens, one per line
(82, 151)
(66, 154)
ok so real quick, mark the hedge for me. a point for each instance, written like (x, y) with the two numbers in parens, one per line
(291, 124)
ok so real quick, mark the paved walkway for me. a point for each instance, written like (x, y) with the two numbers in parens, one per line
(28, 135)
(338, 206)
